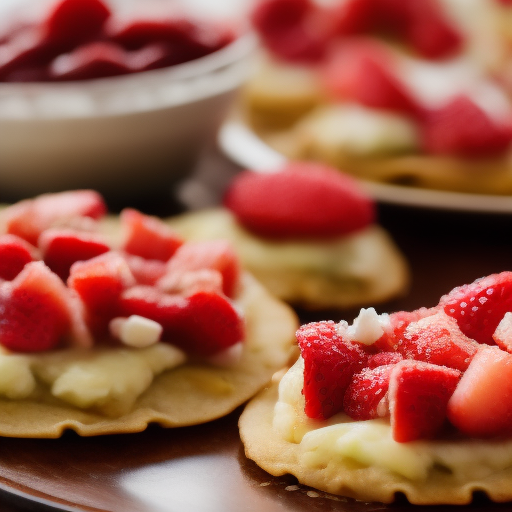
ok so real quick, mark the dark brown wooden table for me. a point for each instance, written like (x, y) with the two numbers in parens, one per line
(203, 469)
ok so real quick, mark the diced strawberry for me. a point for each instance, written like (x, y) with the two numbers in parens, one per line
(192, 281)
(210, 254)
(384, 359)
(437, 339)
(429, 32)
(352, 17)
(34, 310)
(63, 247)
(15, 253)
(398, 322)
(285, 28)
(503, 334)
(91, 60)
(363, 70)
(302, 200)
(366, 396)
(71, 22)
(202, 324)
(29, 218)
(99, 283)
(148, 237)
(146, 271)
(418, 398)
(462, 128)
(329, 364)
(480, 405)
(479, 307)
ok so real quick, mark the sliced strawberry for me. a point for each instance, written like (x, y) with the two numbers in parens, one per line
(503, 334)
(285, 28)
(363, 70)
(15, 253)
(437, 339)
(462, 128)
(384, 359)
(352, 17)
(302, 200)
(202, 324)
(145, 271)
(63, 247)
(211, 254)
(479, 307)
(418, 397)
(34, 310)
(28, 219)
(480, 405)
(366, 396)
(429, 32)
(91, 60)
(398, 323)
(148, 237)
(99, 283)
(71, 22)
(329, 364)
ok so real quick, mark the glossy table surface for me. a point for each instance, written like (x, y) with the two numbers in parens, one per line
(203, 469)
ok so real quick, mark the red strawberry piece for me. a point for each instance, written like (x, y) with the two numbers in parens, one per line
(91, 60)
(28, 219)
(398, 323)
(285, 28)
(437, 339)
(329, 364)
(418, 398)
(479, 307)
(211, 254)
(34, 310)
(366, 396)
(145, 271)
(353, 17)
(302, 200)
(152, 56)
(15, 253)
(363, 70)
(63, 247)
(202, 324)
(384, 359)
(480, 405)
(429, 32)
(99, 283)
(147, 236)
(71, 22)
(462, 128)
(503, 333)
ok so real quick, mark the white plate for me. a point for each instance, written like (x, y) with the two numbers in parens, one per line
(245, 148)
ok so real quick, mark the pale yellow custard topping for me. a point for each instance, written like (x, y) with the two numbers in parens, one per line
(106, 379)
(359, 444)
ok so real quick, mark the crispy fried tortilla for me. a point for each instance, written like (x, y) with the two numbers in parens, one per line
(344, 476)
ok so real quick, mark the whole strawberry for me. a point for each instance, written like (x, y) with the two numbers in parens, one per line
(301, 200)
(480, 306)
(329, 364)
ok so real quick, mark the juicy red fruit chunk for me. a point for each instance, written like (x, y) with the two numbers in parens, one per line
(329, 364)
(480, 306)
(418, 397)
(463, 129)
(202, 324)
(302, 200)
(15, 253)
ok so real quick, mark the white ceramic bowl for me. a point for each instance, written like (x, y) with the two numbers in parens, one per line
(128, 136)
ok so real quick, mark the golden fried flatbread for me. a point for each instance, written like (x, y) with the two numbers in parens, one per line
(187, 395)
(484, 460)
(355, 270)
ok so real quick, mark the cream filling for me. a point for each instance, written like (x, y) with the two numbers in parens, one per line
(106, 379)
(354, 444)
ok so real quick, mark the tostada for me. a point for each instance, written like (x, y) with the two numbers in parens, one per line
(108, 324)
(413, 403)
